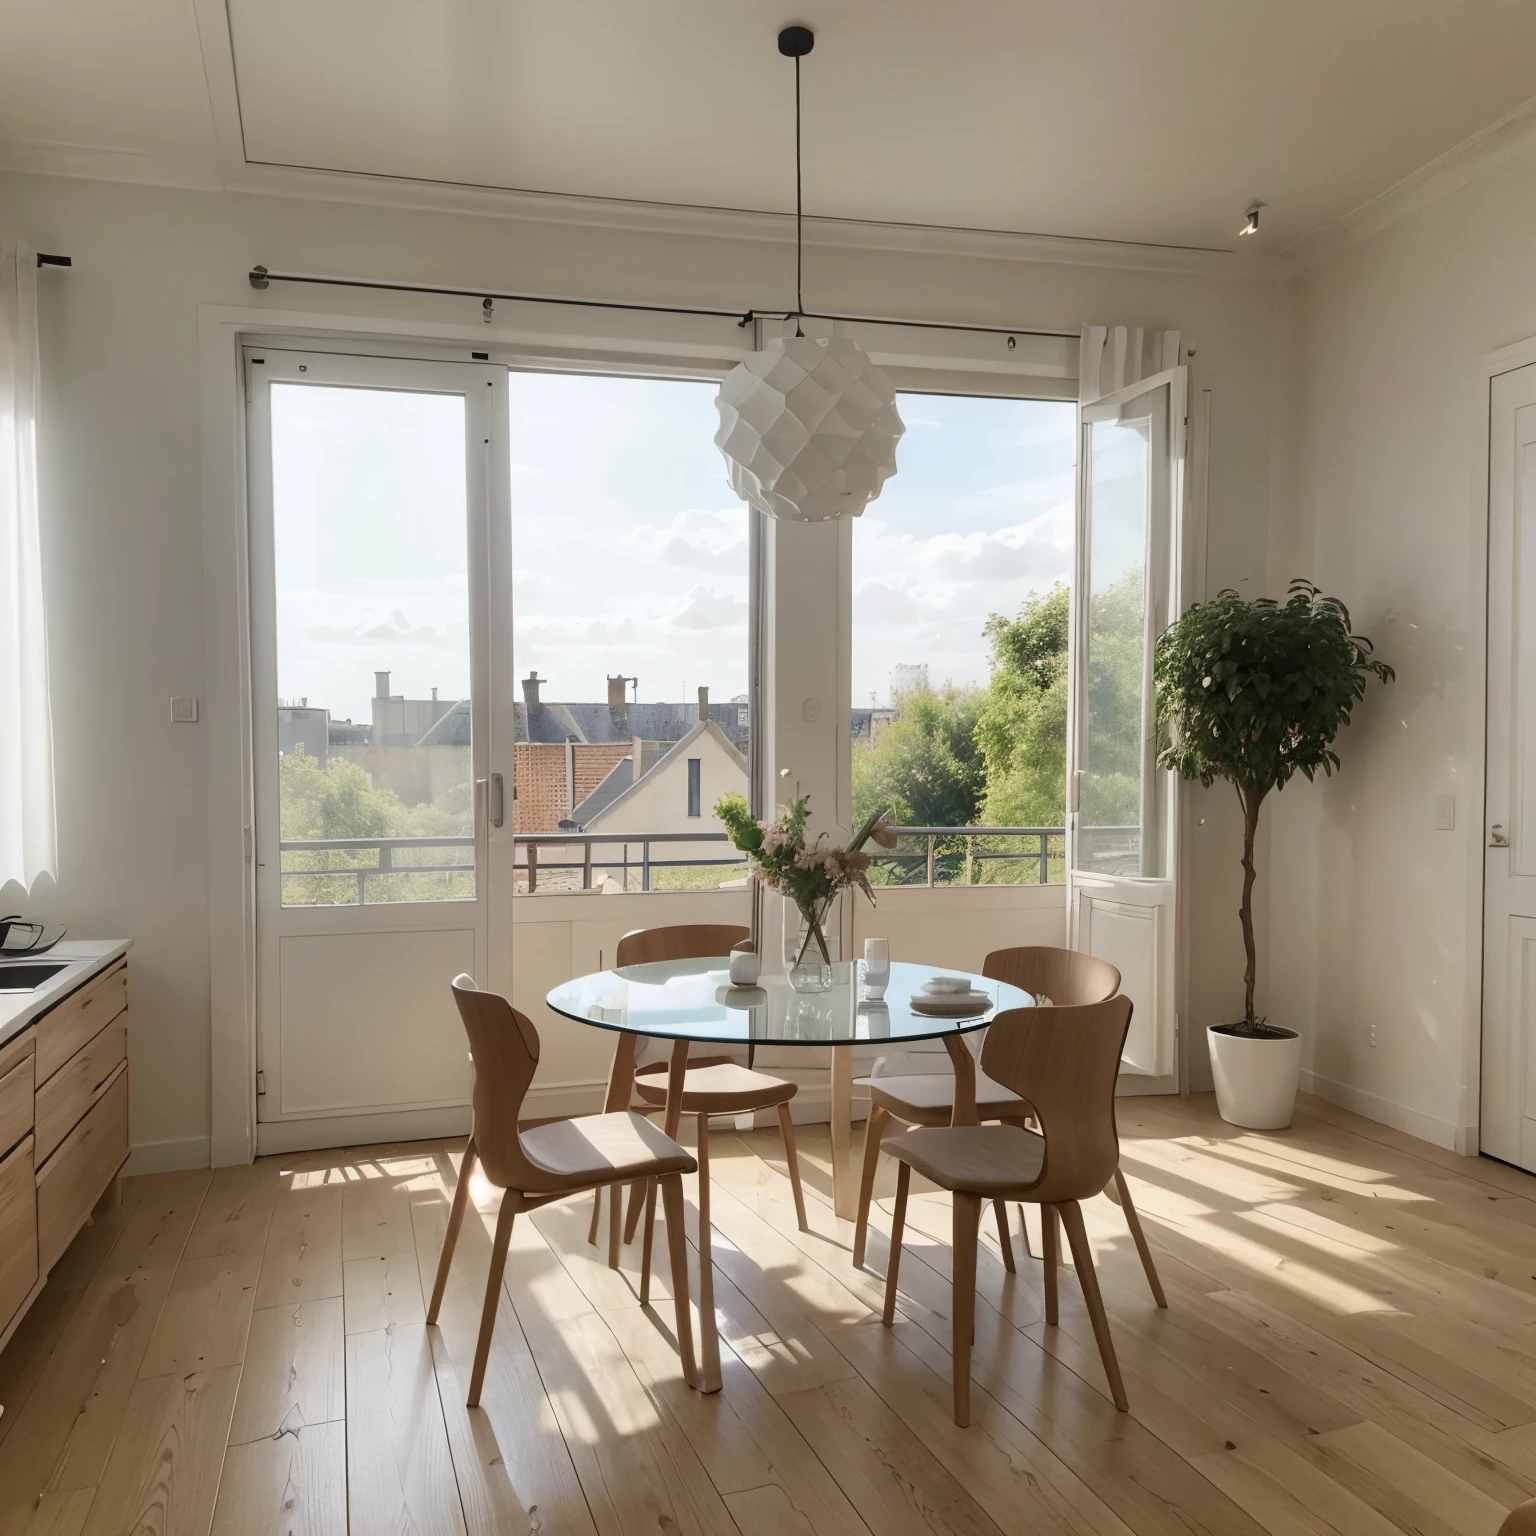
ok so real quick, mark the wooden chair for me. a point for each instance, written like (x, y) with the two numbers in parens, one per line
(549, 1162)
(1520, 1521)
(1070, 980)
(712, 1085)
(1067, 1059)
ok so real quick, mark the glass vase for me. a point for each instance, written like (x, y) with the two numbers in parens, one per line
(808, 959)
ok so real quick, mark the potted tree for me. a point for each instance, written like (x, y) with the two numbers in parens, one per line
(1254, 691)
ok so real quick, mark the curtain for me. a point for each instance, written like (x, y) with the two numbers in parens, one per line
(1112, 356)
(28, 832)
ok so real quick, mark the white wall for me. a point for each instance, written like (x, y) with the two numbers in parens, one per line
(124, 520)
(1370, 907)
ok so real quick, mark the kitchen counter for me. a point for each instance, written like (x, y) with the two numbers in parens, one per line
(83, 959)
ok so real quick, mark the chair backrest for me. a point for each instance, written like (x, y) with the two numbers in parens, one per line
(505, 1048)
(1065, 1062)
(1067, 977)
(682, 941)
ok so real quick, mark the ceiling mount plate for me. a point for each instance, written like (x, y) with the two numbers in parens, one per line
(796, 42)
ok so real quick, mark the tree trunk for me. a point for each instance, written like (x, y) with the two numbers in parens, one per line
(1251, 800)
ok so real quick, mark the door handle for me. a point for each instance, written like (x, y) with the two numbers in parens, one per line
(1496, 837)
(496, 800)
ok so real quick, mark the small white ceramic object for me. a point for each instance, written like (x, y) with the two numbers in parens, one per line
(951, 1005)
(876, 968)
(937, 985)
(746, 966)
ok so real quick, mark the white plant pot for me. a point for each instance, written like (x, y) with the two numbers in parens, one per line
(1255, 1078)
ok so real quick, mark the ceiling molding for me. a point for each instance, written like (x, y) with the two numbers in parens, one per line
(735, 224)
(1511, 136)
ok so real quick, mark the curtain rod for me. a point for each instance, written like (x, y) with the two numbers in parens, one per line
(44, 260)
(260, 277)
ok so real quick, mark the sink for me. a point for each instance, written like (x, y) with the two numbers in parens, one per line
(28, 978)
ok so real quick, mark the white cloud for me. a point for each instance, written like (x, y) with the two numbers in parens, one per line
(704, 608)
(709, 541)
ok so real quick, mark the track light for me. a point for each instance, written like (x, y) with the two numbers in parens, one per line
(1251, 221)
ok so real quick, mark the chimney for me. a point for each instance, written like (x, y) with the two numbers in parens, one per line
(703, 704)
(531, 690)
(434, 695)
(637, 753)
(381, 685)
(616, 692)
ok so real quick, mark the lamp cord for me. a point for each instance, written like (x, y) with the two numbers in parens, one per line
(799, 214)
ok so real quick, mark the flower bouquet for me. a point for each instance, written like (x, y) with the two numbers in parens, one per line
(809, 874)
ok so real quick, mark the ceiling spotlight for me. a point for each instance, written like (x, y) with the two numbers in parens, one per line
(1251, 221)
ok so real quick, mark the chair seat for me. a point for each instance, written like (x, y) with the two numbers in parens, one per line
(998, 1161)
(720, 1089)
(928, 1098)
(602, 1149)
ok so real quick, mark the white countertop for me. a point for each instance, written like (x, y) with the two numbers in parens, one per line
(83, 959)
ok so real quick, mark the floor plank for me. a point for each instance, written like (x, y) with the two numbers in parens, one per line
(1349, 1350)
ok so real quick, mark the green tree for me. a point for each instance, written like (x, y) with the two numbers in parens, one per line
(925, 765)
(1022, 730)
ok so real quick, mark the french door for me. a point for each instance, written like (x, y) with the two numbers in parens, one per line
(1122, 809)
(1508, 1118)
(380, 567)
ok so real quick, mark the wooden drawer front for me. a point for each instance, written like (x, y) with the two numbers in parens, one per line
(79, 1017)
(70, 1091)
(72, 1180)
(15, 1105)
(18, 1231)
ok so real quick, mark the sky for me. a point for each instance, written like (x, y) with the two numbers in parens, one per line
(629, 547)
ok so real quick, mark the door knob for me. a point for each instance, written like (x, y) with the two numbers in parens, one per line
(1496, 837)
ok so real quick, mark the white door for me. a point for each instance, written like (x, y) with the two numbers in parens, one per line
(1509, 866)
(380, 567)
(1122, 809)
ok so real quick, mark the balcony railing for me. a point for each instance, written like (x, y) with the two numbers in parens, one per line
(972, 856)
(536, 847)
(572, 861)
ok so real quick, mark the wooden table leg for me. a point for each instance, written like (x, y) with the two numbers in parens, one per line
(621, 1087)
(709, 1332)
(672, 1117)
(845, 1199)
(964, 1112)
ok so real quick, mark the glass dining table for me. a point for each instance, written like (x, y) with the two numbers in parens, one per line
(691, 1002)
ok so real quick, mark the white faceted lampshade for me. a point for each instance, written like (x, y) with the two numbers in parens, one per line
(808, 428)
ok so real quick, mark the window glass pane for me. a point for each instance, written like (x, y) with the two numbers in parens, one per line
(630, 569)
(960, 579)
(1114, 739)
(370, 539)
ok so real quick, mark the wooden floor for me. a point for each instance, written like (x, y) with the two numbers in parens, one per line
(1350, 1347)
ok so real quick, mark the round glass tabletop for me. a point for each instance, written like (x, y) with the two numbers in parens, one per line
(694, 1000)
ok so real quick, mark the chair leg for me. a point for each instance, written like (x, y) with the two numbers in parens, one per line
(792, 1157)
(632, 1215)
(874, 1131)
(615, 1223)
(509, 1205)
(1000, 1208)
(1050, 1232)
(645, 1247)
(451, 1236)
(967, 1226)
(898, 1222)
(597, 1212)
(677, 1247)
(1029, 1252)
(709, 1330)
(1087, 1276)
(1133, 1221)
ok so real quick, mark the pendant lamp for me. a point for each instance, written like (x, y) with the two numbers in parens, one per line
(808, 427)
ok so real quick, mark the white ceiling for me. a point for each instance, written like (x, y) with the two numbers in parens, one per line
(1100, 118)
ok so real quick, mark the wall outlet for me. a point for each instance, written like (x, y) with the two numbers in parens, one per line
(810, 711)
(1445, 813)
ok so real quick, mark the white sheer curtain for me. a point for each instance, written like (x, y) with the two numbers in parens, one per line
(1112, 356)
(28, 830)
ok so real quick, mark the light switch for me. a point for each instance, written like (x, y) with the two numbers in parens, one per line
(183, 711)
(810, 711)
(1445, 813)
